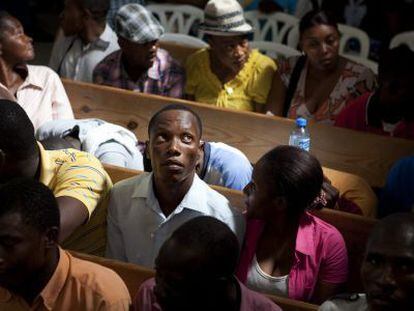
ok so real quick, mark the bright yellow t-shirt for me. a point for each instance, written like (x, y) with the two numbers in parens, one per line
(79, 175)
(251, 85)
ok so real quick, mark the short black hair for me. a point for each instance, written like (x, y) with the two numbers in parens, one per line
(294, 174)
(17, 135)
(315, 18)
(98, 8)
(35, 203)
(394, 223)
(396, 62)
(214, 242)
(154, 118)
(55, 143)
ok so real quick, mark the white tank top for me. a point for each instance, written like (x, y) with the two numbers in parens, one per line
(262, 282)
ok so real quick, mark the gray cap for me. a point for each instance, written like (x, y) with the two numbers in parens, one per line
(135, 23)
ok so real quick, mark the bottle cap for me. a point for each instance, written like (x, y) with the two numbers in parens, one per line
(301, 122)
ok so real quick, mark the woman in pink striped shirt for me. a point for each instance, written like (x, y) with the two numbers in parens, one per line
(288, 251)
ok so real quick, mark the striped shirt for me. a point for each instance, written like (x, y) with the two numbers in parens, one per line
(41, 95)
(79, 175)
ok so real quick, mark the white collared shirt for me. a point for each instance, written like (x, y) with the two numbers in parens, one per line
(43, 96)
(74, 60)
(137, 227)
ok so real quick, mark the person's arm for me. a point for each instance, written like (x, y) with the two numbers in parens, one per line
(80, 185)
(260, 83)
(333, 271)
(324, 291)
(189, 97)
(176, 81)
(276, 97)
(73, 213)
(260, 108)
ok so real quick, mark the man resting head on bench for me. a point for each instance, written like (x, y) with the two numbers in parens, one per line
(76, 178)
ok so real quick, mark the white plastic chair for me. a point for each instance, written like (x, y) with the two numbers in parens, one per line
(273, 49)
(177, 18)
(270, 27)
(184, 40)
(364, 61)
(406, 37)
(347, 33)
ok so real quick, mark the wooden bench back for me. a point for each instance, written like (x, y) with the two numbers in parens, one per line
(178, 52)
(355, 229)
(134, 275)
(366, 155)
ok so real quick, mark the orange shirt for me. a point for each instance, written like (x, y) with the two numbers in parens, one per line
(75, 285)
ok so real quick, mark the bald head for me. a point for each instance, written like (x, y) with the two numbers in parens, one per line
(388, 268)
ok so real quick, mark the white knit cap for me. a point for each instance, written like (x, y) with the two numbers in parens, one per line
(224, 18)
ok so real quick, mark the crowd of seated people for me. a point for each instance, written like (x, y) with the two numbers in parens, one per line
(208, 254)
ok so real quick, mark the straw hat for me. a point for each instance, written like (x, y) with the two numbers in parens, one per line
(224, 18)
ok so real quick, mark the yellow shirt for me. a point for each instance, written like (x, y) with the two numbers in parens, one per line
(79, 175)
(75, 285)
(354, 189)
(251, 85)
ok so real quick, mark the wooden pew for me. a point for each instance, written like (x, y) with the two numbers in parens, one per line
(355, 229)
(134, 276)
(366, 155)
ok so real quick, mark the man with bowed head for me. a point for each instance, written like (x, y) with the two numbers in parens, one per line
(202, 277)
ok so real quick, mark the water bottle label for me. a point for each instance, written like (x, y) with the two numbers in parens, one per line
(303, 143)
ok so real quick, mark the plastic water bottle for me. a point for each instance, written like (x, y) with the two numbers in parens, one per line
(300, 135)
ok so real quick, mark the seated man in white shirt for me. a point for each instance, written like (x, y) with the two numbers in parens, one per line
(144, 210)
(87, 39)
(387, 270)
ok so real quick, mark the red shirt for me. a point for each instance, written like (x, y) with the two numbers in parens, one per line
(355, 117)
